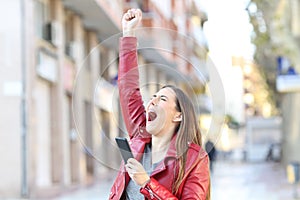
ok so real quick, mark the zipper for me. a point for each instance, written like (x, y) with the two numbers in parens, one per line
(152, 194)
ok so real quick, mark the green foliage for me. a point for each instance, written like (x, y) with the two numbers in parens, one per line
(266, 50)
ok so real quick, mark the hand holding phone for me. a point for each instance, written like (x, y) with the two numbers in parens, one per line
(124, 148)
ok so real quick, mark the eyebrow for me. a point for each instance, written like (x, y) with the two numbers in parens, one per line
(155, 95)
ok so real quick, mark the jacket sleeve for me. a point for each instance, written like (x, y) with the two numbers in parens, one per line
(131, 102)
(194, 186)
(155, 191)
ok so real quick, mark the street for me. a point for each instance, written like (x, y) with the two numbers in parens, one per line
(230, 180)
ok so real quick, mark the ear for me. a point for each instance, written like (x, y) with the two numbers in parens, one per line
(177, 117)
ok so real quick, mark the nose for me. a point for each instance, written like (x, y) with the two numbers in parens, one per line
(154, 100)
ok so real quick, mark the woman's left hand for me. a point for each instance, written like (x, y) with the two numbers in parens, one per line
(137, 172)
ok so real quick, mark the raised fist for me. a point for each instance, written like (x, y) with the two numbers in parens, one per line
(130, 21)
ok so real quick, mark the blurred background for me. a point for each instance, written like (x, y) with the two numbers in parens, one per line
(238, 60)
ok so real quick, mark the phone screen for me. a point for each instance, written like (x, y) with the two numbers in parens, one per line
(124, 148)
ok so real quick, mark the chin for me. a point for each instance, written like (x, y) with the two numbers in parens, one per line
(150, 130)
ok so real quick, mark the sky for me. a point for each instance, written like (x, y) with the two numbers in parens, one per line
(228, 33)
(228, 29)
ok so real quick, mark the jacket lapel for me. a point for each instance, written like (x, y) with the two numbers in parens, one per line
(170, 157)
(139, 147)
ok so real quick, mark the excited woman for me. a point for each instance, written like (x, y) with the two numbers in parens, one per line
(165, 137)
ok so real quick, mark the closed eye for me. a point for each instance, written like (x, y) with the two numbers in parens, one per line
(162, 97)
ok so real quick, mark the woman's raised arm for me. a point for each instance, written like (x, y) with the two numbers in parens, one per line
(131, 102)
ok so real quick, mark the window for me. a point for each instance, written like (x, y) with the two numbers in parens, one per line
(41, 16)
(70, 48)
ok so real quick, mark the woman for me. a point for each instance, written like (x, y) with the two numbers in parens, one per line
(165, 138)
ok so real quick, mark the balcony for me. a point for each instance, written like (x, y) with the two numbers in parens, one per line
(97, 15)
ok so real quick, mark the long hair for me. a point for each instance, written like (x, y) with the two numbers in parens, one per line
(187, 131)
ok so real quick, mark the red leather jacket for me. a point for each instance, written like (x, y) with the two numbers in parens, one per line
(195, 182)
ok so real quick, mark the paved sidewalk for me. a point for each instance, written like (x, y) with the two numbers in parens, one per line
(230, 180)
(251, 181)
(99, 191)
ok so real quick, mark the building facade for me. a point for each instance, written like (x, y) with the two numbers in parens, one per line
(59, 94)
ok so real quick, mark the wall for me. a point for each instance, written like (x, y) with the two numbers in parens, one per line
(10, 97)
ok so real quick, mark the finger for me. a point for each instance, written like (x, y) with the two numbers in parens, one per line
(133, 10)
(130, 175)
(131, 13)
(128, 15)
(138, 12)
(129, 166)
(132, 161)
(128, 169)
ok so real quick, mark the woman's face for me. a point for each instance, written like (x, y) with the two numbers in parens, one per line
(161, 112)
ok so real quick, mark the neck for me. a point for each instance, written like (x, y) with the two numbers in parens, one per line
(161, 142)
(160, 145)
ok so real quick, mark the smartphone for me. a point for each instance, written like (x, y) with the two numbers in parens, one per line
(124, 148)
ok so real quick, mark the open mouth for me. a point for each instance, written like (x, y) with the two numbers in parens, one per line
(151, 116)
